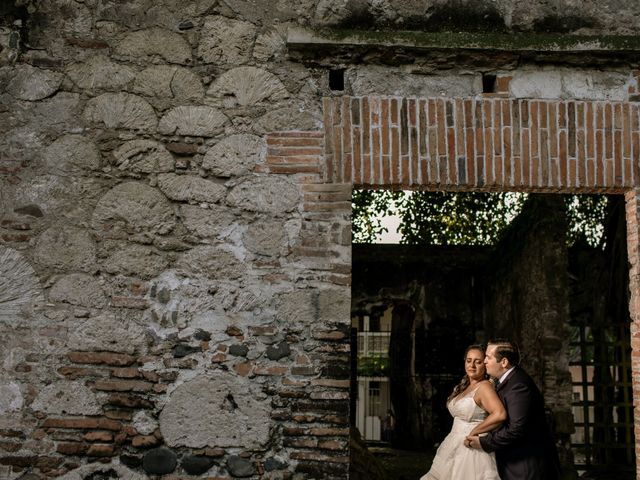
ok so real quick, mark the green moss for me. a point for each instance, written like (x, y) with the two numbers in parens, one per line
(480, 41)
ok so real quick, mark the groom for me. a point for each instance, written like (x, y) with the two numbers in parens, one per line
(523, 444)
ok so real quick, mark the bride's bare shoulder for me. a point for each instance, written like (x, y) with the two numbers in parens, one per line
(485, 385)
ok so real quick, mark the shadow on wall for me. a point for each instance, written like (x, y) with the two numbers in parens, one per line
(462, 16)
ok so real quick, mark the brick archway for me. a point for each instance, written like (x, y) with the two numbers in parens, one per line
(478, 144)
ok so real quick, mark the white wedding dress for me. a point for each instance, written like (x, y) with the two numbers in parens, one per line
(454, 461)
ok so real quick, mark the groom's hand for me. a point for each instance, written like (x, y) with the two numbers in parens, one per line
(473, 442)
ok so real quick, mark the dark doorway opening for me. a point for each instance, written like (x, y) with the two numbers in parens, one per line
(416, 307)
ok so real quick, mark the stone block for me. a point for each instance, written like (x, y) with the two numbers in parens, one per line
(266, 237)
(299, 307)
(238, 350)
(199, 121)
(235, 155)
(20, 288)
(57, 114)
(270, 44)
(136, 206)
(99, 73)
(240, 467)
(210, 262)
(78, 289)
(265, 194)
(184, 188)
(536, 84)
(69, 398)
(66, 248)
(72, 154)
(121, 110)
(220, 411)
(54, 194)
(274, 463)
(595, 85)
(288, 118)
(159, 461)
(196, 465)
(144, 423)
(378, 80)
(163, 81)
(225, 41)
(246, 86)
(11, 399)
(107, 333)
(206, 222)
(132, 461)
(30, 83)
(181, 350)
(135, 260)
(143, 156)
(153, 44)
(276, 352)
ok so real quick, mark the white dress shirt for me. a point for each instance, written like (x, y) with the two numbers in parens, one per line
(504, 375)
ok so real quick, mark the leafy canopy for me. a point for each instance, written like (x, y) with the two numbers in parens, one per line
(464, 218)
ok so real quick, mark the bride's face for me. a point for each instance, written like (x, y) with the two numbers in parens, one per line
(474, 364)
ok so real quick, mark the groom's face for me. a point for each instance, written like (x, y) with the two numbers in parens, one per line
(494, 368)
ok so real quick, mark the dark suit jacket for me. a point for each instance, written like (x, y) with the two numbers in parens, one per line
(523, 444)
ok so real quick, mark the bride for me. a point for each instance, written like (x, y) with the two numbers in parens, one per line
(476, 409)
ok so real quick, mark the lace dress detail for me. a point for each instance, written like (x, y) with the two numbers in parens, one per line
(454, 461)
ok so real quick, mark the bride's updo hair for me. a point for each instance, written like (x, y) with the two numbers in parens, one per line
(464, 383)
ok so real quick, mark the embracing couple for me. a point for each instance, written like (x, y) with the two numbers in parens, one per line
(499, 431)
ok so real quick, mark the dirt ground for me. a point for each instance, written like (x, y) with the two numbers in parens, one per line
(402, 464)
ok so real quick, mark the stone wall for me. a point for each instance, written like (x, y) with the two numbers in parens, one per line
(174, 272)
(173, 282)
(528, 300)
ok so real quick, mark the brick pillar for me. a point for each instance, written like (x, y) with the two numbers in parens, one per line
(632, 198)
(314, 397)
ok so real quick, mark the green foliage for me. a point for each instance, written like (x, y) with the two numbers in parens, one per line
(465, 218)
(373, 366)
(368, 209)
(586, 215)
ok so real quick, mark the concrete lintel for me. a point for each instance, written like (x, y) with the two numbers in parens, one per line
(302, 39)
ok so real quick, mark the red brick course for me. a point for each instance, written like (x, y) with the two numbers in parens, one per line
(485, 143)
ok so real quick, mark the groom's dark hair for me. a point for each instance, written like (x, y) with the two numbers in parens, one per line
(506, 349)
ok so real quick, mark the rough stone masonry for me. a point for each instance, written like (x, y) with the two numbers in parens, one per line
(174, 270)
